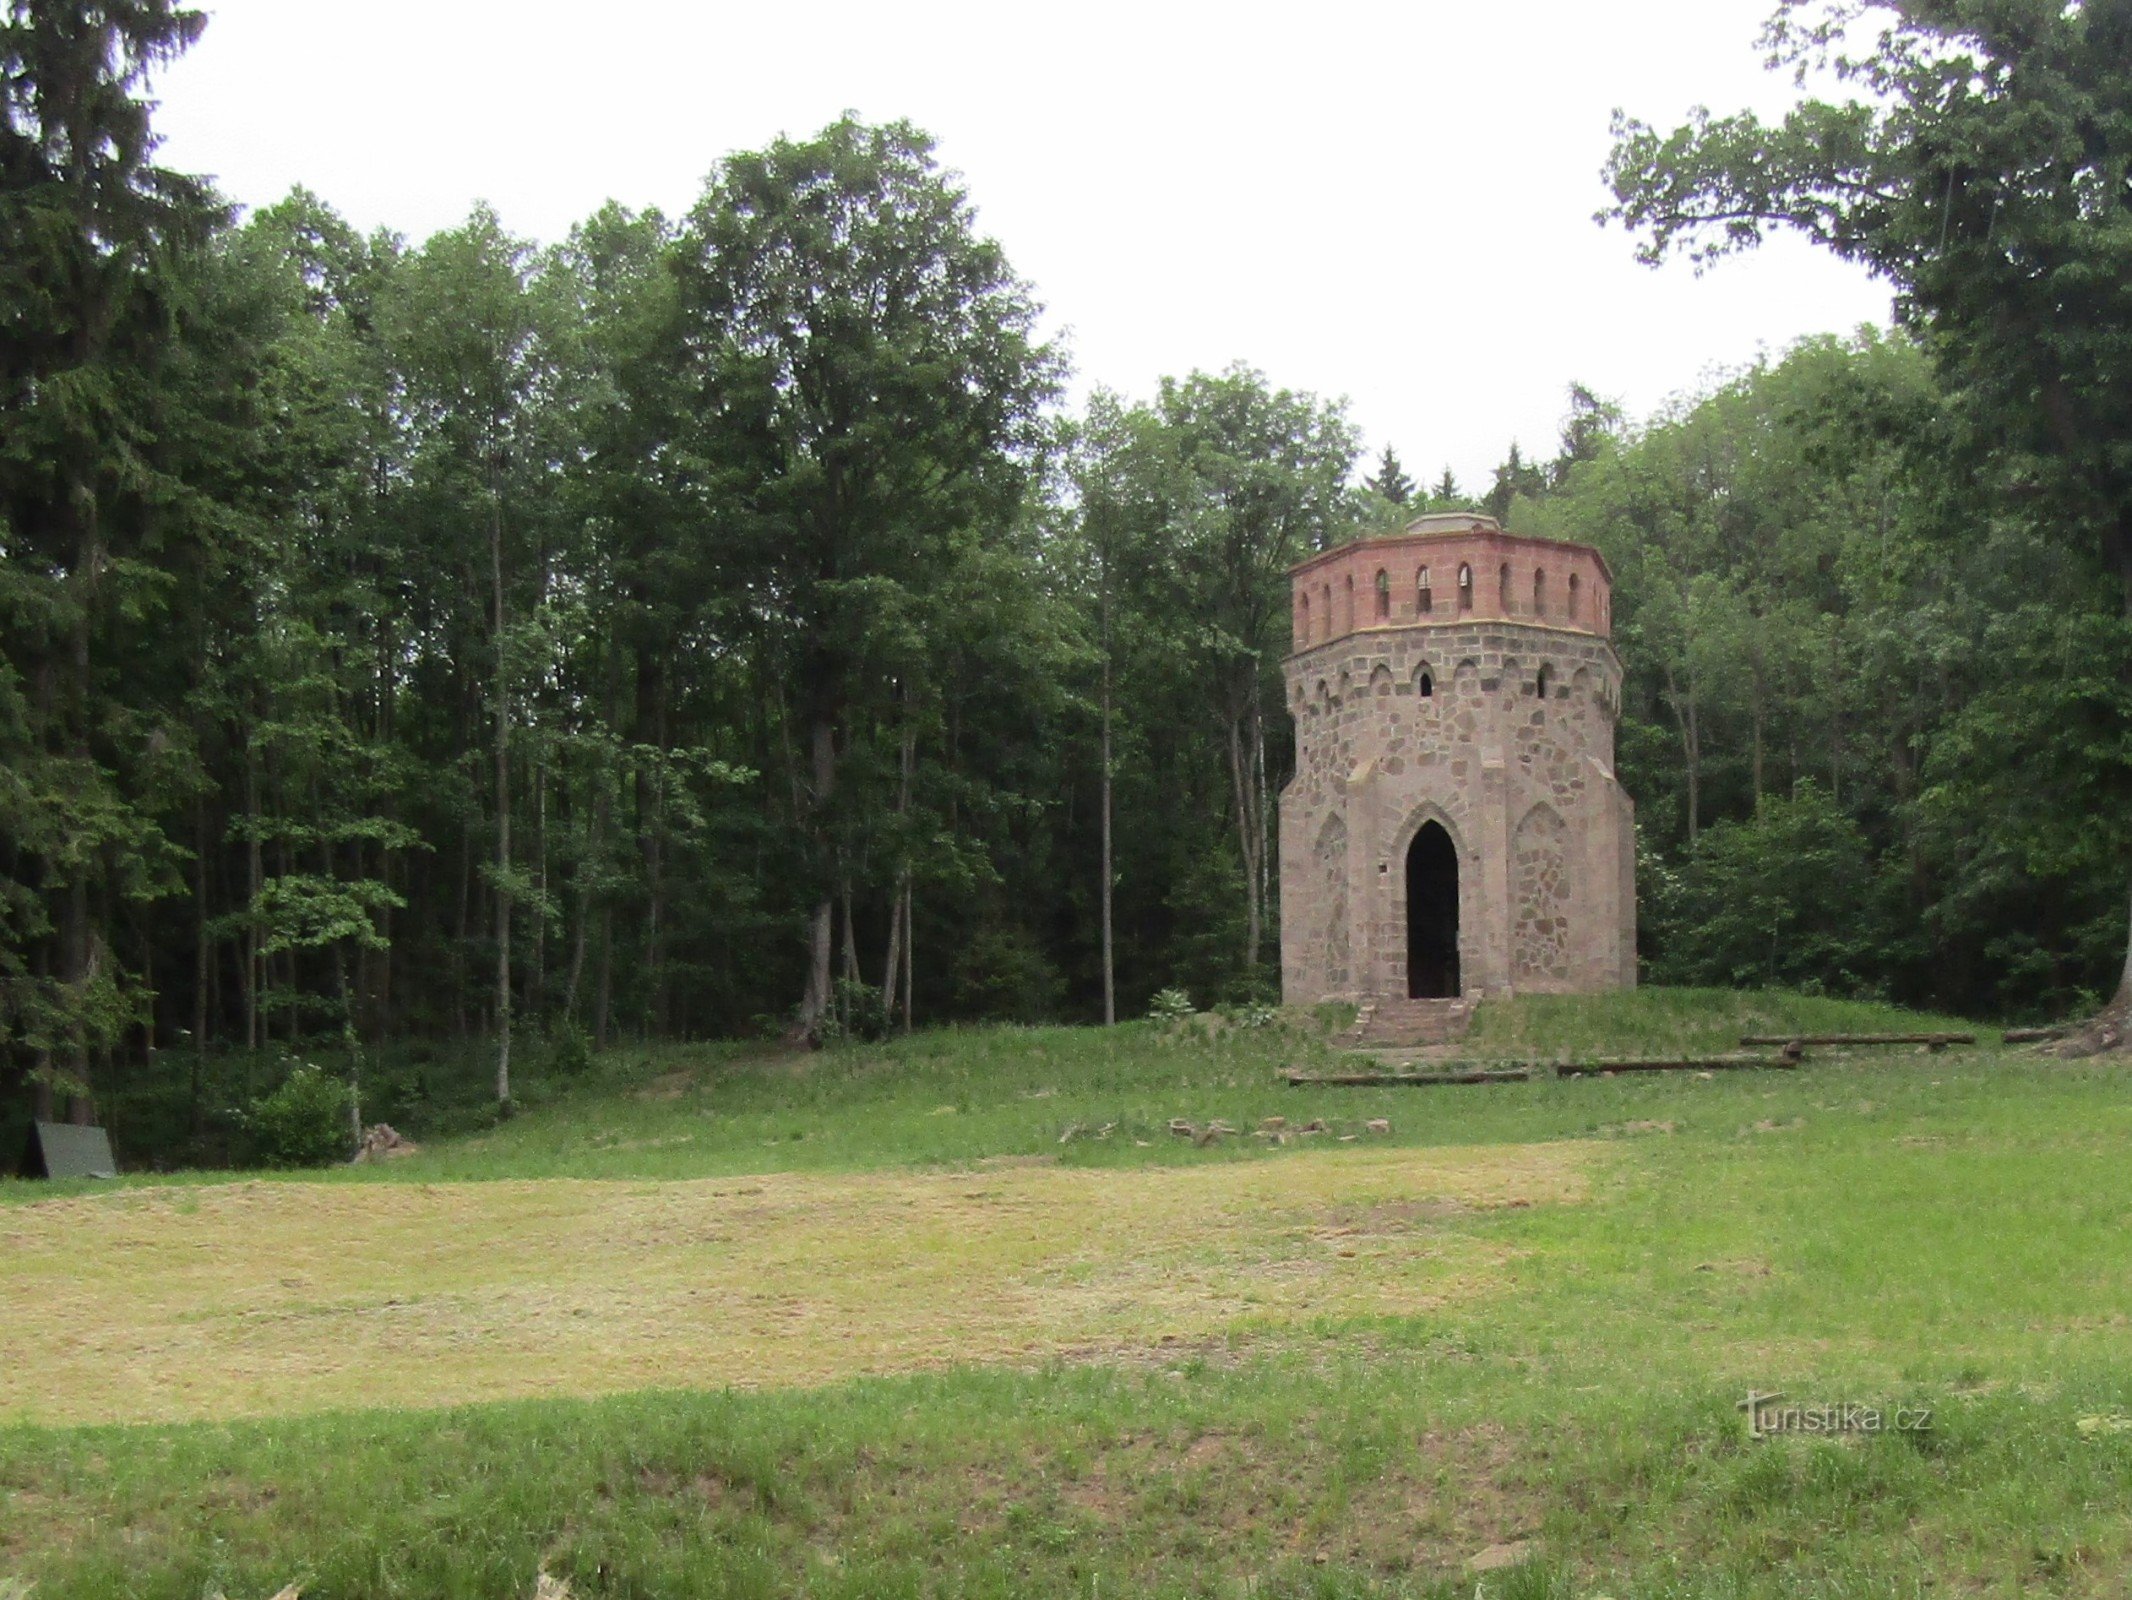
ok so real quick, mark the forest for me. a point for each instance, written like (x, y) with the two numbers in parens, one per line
(725, 624)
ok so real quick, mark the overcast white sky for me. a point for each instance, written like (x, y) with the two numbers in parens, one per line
(1390, 203)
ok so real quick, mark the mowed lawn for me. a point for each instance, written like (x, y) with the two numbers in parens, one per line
(961, 1316)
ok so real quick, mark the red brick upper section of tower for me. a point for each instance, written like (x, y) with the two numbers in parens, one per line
(1448, 568)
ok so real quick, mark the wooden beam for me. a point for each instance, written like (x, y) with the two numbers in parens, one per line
(2057, 1030)
(1594, 1069)
(1521, 1072)
(1419, 1080)
(1938, 1041)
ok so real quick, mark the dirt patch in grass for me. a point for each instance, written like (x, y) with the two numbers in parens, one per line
(265, 1297)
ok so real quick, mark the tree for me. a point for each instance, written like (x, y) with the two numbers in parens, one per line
(869, 378)
(1390, 479)
(1591, 424)
(1515, 479)
(1225, 482)
(89, 512)
(465, 332)
(1983, 173)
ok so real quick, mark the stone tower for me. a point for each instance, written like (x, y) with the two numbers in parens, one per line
(1454, 828)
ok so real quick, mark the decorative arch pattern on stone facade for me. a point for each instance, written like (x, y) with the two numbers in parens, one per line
(1330, 860)
(1381, 680)
(1540, 895)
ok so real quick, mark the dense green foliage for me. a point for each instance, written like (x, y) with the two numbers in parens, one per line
(714, 625)
(304, 1122)
(1877, 710)
(1977, 155)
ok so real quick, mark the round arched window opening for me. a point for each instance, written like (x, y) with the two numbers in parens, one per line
(1465, 588)
(1539, 594)
(1424, 602)
(1573, 597)
(1384, 595)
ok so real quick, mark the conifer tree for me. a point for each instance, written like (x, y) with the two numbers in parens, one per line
(1390, 479)
(91, 232)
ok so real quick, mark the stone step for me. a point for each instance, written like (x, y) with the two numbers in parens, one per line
(1395, 1022)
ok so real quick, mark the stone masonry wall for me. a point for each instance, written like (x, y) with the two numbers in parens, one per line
(1511, 752)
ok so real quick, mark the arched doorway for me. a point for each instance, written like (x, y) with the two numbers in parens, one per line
(1432, 915)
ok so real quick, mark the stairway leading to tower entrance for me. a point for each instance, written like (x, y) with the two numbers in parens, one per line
(1398, 1024)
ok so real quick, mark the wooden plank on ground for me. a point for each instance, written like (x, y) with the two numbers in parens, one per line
(1421, 1080)
(1595, 1069)
(1522, 1071)
(1938, 1041)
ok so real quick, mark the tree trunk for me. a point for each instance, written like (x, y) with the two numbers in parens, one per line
(254, 972)
(1760, 716)
(202, 972)
(851, 935)
(503, 802)
(893, 966)
(1691, 748)
(580, 936)
(910, 940)
(604, 1007)
(1240, 779)
(537, 959)
(2121, 551)
(1110, 982)
(814, 1005)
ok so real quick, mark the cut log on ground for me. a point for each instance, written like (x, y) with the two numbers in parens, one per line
(2036, 1035)
(1938, 1041)
(1418, 1080)
(1524, 1071)
(1595, 1069)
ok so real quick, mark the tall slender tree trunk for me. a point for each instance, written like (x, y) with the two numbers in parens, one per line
(2120, 546)
(603, 1009)
(202, 972)
(580, 937)
(1240, 779)
(1759, 718)
(503, 799)
(1691, 746)
(910, 941)
(851, 936)
(1261, 820)
(254, 874)
(1110, 980)
(892, 967)
(537, 961)
(814, 1005)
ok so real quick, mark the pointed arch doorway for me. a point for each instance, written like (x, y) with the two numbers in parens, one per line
(1432, 915)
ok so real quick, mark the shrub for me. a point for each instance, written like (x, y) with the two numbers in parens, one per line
(1170, 1005)
(569, 1051)
(304, 1123)
(857, 1011)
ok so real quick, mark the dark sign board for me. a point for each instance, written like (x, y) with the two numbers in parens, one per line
(61, 1150)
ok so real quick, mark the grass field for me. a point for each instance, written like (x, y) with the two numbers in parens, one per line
(959, 1316)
